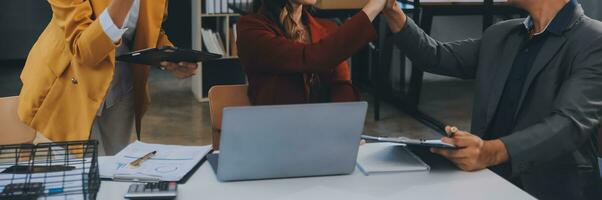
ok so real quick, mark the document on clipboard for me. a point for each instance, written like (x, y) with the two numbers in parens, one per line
(170, 163)
(411, 142)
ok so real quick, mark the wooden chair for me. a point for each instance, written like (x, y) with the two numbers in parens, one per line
(220, 97)
(13, 131)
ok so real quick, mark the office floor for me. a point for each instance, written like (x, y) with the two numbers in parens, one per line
(175, 117)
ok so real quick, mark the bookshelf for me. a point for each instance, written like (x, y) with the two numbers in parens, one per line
(221, 23)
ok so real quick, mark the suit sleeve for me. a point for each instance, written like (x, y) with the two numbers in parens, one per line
(573, 122)
(261, 48)
(457, 59)
(163, 39)
(85, 38)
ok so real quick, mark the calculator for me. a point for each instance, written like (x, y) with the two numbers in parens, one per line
(22, 191)
(156, 190)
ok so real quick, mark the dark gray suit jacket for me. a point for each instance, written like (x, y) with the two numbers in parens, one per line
(553, 146)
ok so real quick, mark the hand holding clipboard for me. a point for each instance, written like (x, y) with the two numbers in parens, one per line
(411, 142)
(154, 56)
(181, 62)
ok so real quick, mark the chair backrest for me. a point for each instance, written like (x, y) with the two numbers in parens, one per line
(13, 131)
(220, 97)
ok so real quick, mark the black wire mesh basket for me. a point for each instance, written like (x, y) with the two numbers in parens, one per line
(61, 170)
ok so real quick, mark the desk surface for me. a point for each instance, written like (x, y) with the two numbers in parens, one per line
(443, 182)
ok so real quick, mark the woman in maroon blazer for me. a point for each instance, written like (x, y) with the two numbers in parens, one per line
(290, 57)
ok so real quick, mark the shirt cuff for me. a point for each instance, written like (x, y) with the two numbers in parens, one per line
(114, 32)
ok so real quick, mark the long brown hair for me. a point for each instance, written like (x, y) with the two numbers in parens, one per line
(280, 11)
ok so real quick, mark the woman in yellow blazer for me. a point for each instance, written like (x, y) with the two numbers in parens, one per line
(73, 89)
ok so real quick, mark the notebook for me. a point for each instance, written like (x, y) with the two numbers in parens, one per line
(375, 158)
(171, 163)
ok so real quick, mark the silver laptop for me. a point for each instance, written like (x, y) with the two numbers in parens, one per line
(264, 142)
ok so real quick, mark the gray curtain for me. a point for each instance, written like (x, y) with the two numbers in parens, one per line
(593, 8)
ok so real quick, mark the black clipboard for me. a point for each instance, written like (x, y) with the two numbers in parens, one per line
(154, 56)
(194, 169)
(410, 142)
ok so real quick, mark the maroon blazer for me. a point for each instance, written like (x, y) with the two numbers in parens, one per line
(277, 67)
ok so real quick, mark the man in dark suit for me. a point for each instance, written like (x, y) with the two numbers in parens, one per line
(538, 100)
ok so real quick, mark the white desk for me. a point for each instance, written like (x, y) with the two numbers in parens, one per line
(443, 182)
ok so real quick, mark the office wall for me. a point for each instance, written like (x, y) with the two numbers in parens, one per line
(593, 8)
(178, 24)
(22, 21)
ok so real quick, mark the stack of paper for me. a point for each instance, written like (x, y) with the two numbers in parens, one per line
(171, 163)
(388, 158)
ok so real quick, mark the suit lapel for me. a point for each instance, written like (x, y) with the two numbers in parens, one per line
(550, 48)
(503, 70)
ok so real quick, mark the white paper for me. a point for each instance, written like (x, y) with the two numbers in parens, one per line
(438, 142)
(171, 163)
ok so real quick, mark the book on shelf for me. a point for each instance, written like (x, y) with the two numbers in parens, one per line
(231, 2)
(223, 6)
(209, 7)
(207, 41)
(235, 31)
(219, 41)
(212, 42)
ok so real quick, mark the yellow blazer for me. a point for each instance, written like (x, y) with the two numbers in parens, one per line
(70, 68)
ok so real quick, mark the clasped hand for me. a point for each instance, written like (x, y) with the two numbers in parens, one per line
(473, 153)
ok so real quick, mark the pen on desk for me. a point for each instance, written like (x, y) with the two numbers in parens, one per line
(367, 137)
(55, 190)
(137, 162)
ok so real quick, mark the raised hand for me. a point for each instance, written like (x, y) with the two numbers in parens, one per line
(374, 7)
(395, 17)
(391, 5)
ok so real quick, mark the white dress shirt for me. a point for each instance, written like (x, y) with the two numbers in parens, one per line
(122, 83)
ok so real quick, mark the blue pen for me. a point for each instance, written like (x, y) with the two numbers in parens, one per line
(54, 191)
